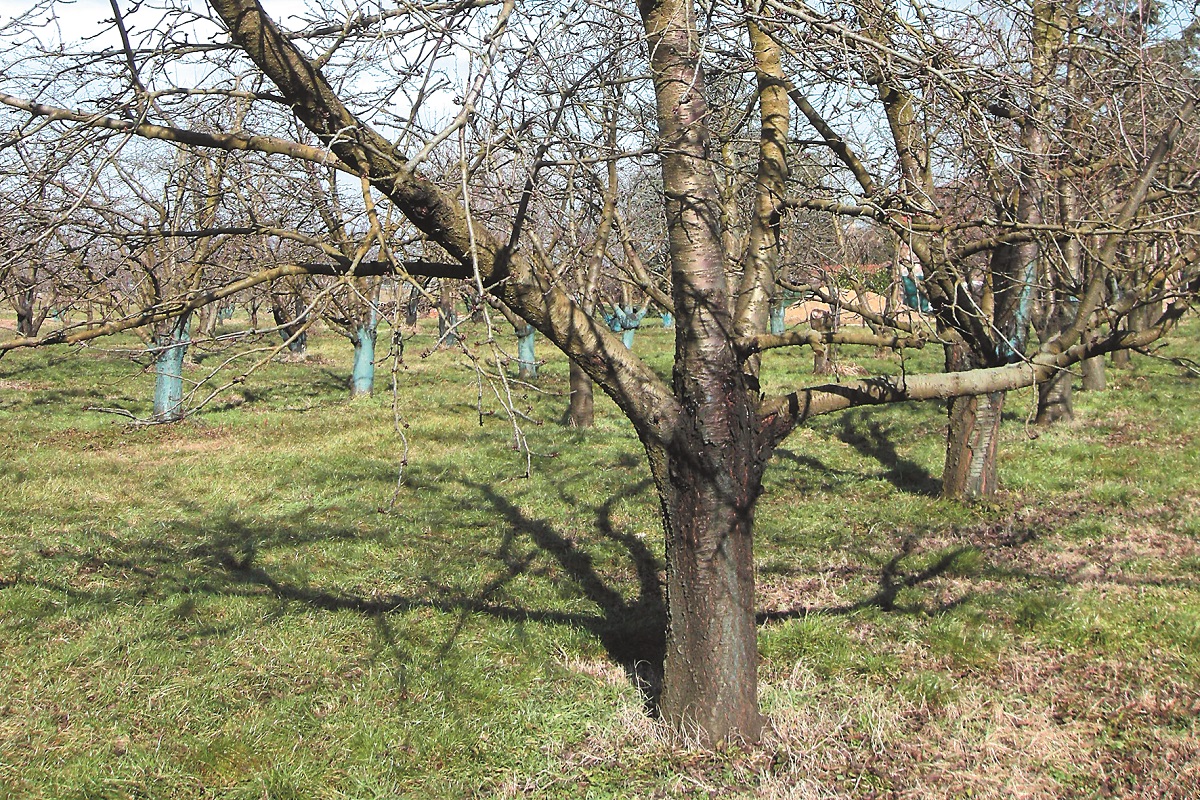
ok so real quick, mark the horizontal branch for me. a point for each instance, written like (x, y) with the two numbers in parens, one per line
(749, 345)
(223, 141)
(782, 414)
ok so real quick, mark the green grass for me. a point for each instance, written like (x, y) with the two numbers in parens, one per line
(280, 598)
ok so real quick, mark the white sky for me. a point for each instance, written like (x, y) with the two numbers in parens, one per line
(78, 19)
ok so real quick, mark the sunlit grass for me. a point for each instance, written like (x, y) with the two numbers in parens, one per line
(278, 598)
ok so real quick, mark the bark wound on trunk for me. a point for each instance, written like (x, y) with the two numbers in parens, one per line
(970, 469)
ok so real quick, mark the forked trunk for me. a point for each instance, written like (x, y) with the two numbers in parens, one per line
(711, 670)
(29, 322)
(412, 307)
(291, 324)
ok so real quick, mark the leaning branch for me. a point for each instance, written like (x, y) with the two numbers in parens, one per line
(223, 141)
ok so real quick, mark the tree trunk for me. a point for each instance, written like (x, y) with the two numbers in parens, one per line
(779, 307)
(28, 322)
(209, 317)
(291, 324)
(362, 379)
(823, 360)
(1054, 399)
(971, 438)
(1054, 396)
(708, 495)
(412, 307)
(447, 318)
(708, 473)
(970, 469)
(526, 357)
(1093, 374)
(581, 407)
(168, 370)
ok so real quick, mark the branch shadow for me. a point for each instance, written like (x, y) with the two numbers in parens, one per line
(632, 631)
(892, 580)
(872, 440)
(221, 555)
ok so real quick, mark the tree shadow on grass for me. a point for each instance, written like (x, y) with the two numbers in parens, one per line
(893, 579)
(871, 439)
(222, 555)
(632, 631)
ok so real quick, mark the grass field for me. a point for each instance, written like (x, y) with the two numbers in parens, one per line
(266, 601)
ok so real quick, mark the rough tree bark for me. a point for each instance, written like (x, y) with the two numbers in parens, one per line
(971, 435)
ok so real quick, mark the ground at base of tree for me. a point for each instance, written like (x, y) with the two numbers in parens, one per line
(249, 604)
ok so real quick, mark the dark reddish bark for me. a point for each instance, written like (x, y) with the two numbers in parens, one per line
(707, 473)
(708, 496)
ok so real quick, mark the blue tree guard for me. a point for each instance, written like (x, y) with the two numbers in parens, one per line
(625, 321)
(168, 370)
(362, 379)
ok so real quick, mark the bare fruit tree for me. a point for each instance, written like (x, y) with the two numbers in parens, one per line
(473, 121)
